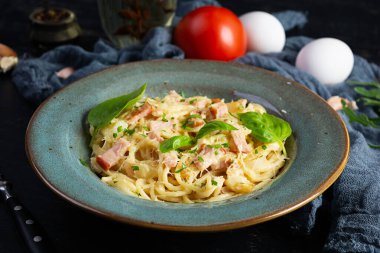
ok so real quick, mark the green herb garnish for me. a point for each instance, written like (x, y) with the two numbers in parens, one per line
(214, 126)
(129, 131)
(176, 142)
(226, 145)
(164, 118)
(200, 158)
(192, 101)
(135, 167)
(181, 169)
(360, 117)
(264, 147)
(119, 129)
(114, 135)
(103, 113)
(213, 182)
(266, 127)
(84, 163)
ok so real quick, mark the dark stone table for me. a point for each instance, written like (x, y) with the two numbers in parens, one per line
(73, 230)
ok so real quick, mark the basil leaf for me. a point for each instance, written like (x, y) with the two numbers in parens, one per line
(373, 84)
(175, 142)
(103, 113)
(371, 93)
(213, 126)
(266, 127)
(360, 117)
(370, 102)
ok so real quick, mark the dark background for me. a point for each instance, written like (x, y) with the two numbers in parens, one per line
(74, 230)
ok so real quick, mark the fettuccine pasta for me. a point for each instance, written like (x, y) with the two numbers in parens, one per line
(128, 152)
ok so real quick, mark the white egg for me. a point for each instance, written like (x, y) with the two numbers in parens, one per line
(327, 59)
(265, 33)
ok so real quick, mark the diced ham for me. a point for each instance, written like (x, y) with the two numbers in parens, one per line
(195, 122)
(113, 155)
(171, 159)
(155, 136)
(336, 103)
(173, 97)
(218, 110)
(223, 165)
(200, 103)
(139, 113)
(239, 143)
(156, 126)
(206, 157)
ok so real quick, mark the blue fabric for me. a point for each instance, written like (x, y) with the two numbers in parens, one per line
(355, 206)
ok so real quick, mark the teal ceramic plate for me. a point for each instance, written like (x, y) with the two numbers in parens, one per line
(57, 137)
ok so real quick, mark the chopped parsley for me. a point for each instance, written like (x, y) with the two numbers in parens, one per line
(114, 135)
(135, 167)
(215, 146)
(256, 151)
(119, 129)
(145, 128)
(181, 169)
(192, 101)
(193, 151)
(226, 145)
(144, 135)
(84, 163)
(216, 152)
(164, 118)
(200, 158)
(264, 147)
(129, 131)
(182, 100)
(213, 182)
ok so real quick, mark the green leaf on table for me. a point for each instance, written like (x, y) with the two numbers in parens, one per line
(373, 84)
(370, 102)
(374, 146)
(176, 142)
(103, 113)
(369, 93)
(360, 117)
(266, 127)
(214, 126)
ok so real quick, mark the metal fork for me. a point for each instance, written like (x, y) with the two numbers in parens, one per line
(27, 226)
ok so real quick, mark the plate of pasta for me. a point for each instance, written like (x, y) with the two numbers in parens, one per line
(187, 145)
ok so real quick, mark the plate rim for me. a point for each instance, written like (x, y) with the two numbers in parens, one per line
(336, 172)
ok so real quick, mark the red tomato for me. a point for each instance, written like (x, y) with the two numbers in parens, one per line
(211, 32)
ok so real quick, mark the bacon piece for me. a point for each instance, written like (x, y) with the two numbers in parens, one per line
(222, 166)
(113, 155)
(171, 159)
(200, 104)
(156, 126)
(336, 103)
(215, 100)
(173, 97)
(218, 110)
(239, 144)
(206, 157)
(195, 122)
(139, 113)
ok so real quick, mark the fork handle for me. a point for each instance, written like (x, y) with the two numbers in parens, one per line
(32, 233)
